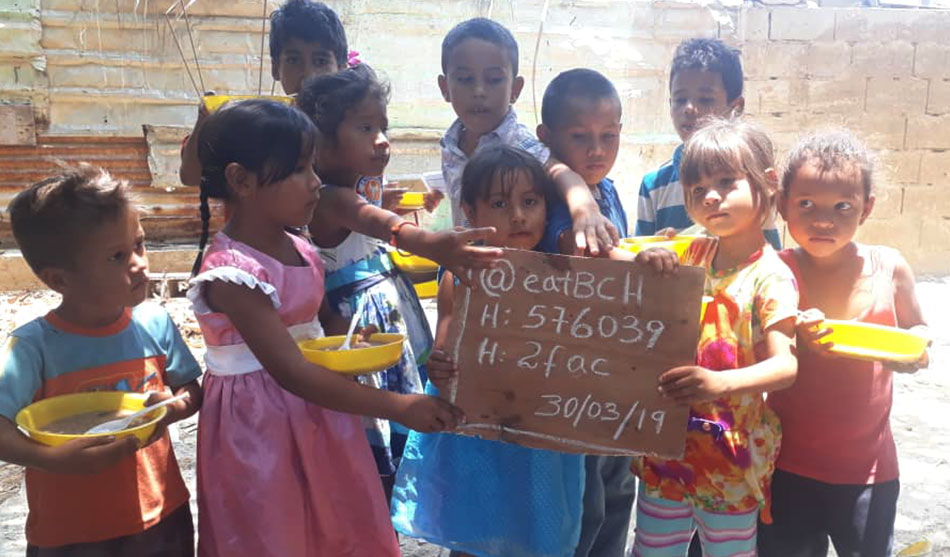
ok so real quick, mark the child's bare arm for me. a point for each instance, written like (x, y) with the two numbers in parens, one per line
(909, 315)
(86, 455)
(343, 209)
(330, 319)
(689, 384)
(593, 231)
(253, 315)
(440, 367)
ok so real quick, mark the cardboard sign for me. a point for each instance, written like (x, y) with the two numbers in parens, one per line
(564, 353)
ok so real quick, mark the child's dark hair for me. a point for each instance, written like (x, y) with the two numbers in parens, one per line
(483, 29)
(308, 21)
(326, 98)
(52, 218)
(577, 83)
(710, 55)
(265, 137)
(502, 162)
(832, 151)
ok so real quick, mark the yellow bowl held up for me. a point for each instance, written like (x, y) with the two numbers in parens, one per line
(385, 353)
(35, 417)
(427, 289)
(676, 244)
(214, 102)
(877, 343)
(413, 263)
(412, 200)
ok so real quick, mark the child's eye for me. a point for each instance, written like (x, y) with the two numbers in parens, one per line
(292, 60)
(530, 201)
(843, 206)
(707, 101)
(806, 204)
(495, 80)
(578, 136)
(117, 256)
(464, 79)
(679, 101)
(609, 137)
(366, 128)
(698, 190)
(727, 182)
(498, 204)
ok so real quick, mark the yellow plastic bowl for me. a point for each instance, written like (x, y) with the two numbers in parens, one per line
(413, 263)
(357, 361)
(214, 102)
(676, 244)
(38, 415)
(412, 200)
(428, 289)
(865, 341)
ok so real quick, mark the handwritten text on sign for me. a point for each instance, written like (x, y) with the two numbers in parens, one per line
(564, 353)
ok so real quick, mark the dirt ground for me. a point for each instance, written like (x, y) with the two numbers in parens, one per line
(919, 419)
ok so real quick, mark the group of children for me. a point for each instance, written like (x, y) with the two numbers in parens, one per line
(296, 460)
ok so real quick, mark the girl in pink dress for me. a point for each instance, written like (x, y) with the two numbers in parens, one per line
(283, 465)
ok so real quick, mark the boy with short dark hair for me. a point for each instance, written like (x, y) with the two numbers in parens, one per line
(81, 236)
(705, 80)
(581, 123)
(306, 39)
(480, 79)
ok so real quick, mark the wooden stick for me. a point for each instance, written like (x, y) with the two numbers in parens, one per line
(191, 38)
(260, 72)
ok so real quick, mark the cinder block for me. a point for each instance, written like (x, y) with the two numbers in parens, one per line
(684, 23)
(906, 95)
(877, 24)
(828, 59)
(928, 132)
(931, 26)
(753, 24)
(774, 59)
(899, 167)
(894, 59)
(840, 95)
(877, 131)
(902, 233)
(930, 201)
(775, 95)
(802, 24)
(887, 203)
(932, 60)
(935, 168)
(938, 100)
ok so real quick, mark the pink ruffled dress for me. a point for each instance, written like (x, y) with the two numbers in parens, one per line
(277, 475)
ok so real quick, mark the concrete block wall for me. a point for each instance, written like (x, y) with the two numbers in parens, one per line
(110, 67)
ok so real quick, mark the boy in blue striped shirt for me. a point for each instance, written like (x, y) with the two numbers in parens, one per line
(705, 80)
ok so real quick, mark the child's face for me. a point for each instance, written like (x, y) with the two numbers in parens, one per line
(695, 94)
(518, 213)
(300, 60)
(480, 84)
(824, 209)
(362, 145)
(291, 201)
(587, 137)
(112, 266)
(725, 204)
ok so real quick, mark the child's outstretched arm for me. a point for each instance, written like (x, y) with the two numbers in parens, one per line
(593, 231)
(689, 384)
(87, 455)
(342, 209)
(909, 315)
(253, 315)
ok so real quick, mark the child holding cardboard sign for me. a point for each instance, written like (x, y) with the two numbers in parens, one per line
(477, 495)
(723, 480)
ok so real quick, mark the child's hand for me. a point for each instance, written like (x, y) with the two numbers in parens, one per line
(89, 455)
(392, 195)
(922, 363)
(428, 414)
(662, 260)
(441, 369)
(432, 198)
(363, 333)
(173, 413)
(669, 232)
(809, 331)
(458, 255)
(689, 384)
(593, 231)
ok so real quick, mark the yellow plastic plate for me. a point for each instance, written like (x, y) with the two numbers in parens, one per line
(413, 263)
(412, 200)
(214, 102)
(428, 289)
(358, 361)
(36, 416)
(876, 343)
(676, 244)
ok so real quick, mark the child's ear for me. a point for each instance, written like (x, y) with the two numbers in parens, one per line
(782, 205)
(275, 69)
(516, 86)
(544, 134)
(737, 107)
(444, 87)
(240, 181)
(55, 278)
(868, 207)
(469, 212)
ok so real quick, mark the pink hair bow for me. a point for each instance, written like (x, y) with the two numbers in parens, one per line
(353, 58)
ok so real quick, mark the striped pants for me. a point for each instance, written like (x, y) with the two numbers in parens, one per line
(664, 529)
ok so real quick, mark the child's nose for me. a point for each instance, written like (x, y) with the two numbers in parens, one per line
(690, 109)
(712, 197)
(382, 141)
(138, 263)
